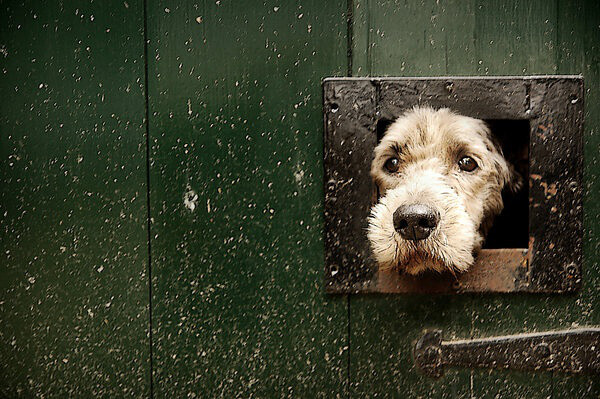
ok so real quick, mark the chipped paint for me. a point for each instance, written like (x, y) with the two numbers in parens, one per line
(190, 199)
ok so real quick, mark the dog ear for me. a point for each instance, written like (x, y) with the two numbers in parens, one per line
(509, 178)
(514, 154)
(513, 182)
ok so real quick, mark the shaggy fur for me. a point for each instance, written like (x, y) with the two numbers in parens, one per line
(429, 143)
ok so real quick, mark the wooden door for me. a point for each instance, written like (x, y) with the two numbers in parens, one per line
(161, 197)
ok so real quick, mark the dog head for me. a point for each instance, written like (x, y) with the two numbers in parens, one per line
(440, 178)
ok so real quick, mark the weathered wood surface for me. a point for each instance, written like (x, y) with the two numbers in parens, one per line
(236, 199)
(73, 212)
(429, 38)
(235, 112)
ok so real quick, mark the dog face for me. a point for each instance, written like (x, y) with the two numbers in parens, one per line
(440, 178)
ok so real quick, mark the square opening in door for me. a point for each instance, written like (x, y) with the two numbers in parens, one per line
(483, 197)
(447, 184)
(511, 227)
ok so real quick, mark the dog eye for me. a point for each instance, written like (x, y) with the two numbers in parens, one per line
(392, 165)
(467, 164)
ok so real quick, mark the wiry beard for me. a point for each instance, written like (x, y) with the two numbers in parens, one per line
(448, 248)
(416, 258)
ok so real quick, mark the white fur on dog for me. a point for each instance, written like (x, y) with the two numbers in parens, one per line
(429, 143)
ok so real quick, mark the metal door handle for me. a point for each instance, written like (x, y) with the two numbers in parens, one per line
(572, 351)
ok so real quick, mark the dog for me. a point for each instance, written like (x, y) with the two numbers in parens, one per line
(440, 178)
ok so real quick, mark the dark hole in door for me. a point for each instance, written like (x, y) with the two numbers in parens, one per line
(382, 126)
(511, 227)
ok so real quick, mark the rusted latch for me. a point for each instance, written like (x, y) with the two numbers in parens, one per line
(571, 351)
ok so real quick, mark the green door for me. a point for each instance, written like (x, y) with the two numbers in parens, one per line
(161, 197)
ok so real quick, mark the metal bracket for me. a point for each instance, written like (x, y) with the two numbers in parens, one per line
(571, 351)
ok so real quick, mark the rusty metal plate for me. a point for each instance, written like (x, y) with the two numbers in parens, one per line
(553, 106)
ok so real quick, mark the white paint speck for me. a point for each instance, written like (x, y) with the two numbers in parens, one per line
(190, 199)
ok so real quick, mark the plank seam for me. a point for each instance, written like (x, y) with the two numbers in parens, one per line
(349, 34)
(348, 383)
(148, 214)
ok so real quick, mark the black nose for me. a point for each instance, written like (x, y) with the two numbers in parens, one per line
(415, 222)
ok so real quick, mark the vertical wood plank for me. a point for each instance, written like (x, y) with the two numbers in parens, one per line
(73, 258)
(239, 308)
(477, 38)
(407, 39)
(361, 37)
(514, 38)
(577, 52)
